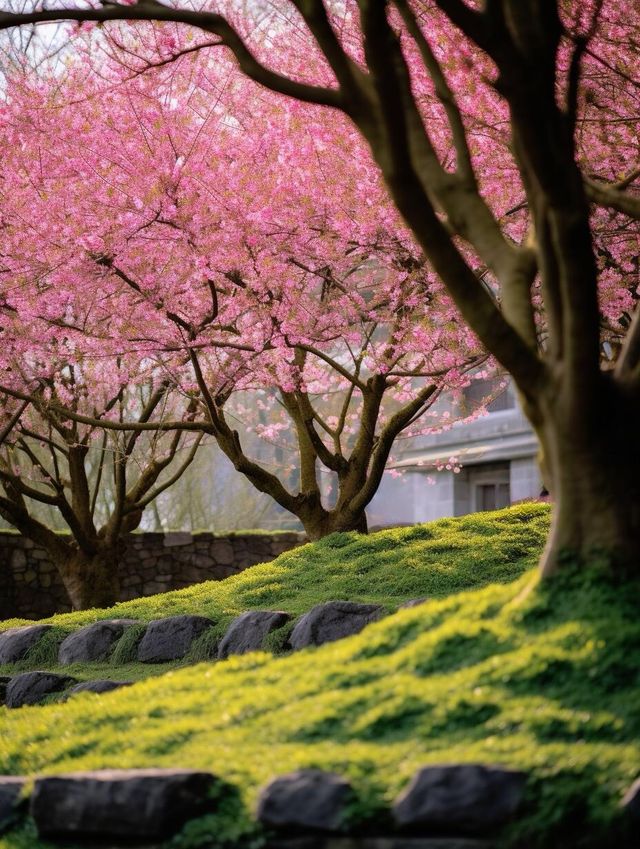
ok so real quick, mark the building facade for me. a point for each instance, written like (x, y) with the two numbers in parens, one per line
(497, 458)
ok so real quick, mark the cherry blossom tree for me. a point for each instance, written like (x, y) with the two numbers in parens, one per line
(97, 482)
(558, 81)
(274, 302)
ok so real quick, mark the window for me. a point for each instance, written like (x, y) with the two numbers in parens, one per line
(489, 485)
(492, 496)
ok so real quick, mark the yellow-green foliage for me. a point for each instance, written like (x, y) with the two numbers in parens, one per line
(543, 678)
(386, 568)
(540, 679)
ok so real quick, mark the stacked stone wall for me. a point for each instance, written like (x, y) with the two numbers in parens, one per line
(151, 563)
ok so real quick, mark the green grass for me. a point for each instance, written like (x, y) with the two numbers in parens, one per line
(386, 568)
(542, 679)
(545, 678)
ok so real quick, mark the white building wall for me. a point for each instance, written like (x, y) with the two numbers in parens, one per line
(496, 449)
(413, 497)
(525, 479)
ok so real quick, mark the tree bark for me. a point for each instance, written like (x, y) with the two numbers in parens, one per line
(591, 465)
(91, 580)
(321, 524)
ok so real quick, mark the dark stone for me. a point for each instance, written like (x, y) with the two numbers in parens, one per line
(248, 631)
(413, 602)
(16, 642)
(308, 799)
(331, 621)
(10, 799)
(98, 686)
(170, 638)
(4, 680)
(93, 642)
(31, 687)
(134, 804)
(631, 803)
(460, 798)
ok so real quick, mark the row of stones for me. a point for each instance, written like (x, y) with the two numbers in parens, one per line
(168, 639)
(141, 805)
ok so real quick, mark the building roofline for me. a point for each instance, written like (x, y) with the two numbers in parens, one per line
(483, 451)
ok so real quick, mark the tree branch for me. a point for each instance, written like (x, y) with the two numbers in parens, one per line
(141, 504)
(443, 92)
(396, 424)
(150, 10)
(609, 195)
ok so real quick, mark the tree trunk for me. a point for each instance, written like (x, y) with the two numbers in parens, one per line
(321, 524)
(91, 580)
(591, 460)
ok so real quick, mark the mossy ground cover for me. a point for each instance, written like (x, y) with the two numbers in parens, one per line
(385, 568)
(542, 678)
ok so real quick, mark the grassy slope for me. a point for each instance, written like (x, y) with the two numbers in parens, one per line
(545, 679)
(386, 568)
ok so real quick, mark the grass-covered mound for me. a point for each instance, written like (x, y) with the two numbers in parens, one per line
(543, 678)
(385, 568)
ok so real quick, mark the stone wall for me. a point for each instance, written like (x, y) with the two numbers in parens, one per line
(151, 563)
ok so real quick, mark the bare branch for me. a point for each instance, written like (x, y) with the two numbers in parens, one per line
(613, 197)
(13, 421)
(443, 92)
(141, 504)
(151, 10)
(109, 424)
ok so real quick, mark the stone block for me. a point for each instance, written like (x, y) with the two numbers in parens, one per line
(307, 799)
(202, 561)
(130, 581)
(18, 559)
(16, 642)
(460, 798)
(170, 638)
(93, 642)
(153, 587)
(332, 620)
(248, 631)
(29, 688)
(177, 538)
(128, 805)
(222, 552)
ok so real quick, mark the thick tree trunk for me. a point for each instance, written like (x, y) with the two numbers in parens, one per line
(591, 463)
(322, 523)
(91, 580)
